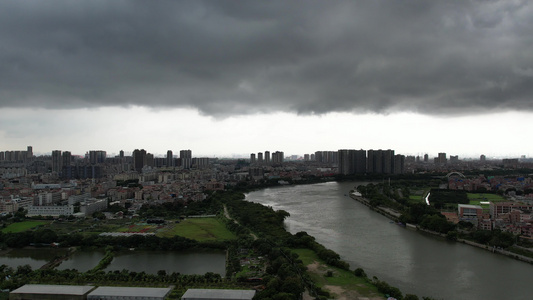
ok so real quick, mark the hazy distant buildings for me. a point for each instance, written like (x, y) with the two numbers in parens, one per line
(267, 157)
(200, 162)
(454, 159)
(252, 158)
(441, 159)
(97, 157)
(260, 157)
(327, 157)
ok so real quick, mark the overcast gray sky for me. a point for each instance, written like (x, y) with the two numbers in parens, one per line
(211, 62)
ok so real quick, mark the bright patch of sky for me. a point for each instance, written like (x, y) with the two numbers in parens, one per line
(113, 129)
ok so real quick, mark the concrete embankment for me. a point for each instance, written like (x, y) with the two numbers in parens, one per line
(387, 212)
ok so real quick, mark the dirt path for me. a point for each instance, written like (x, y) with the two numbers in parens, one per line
(226, 214)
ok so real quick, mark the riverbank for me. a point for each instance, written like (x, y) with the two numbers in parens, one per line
(394, 215)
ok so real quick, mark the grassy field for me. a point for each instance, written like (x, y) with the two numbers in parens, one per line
(418, 196)
(200, 229)
(23, 226)
(416, 199)
(140, 228)
(343, 283)
(476, 199)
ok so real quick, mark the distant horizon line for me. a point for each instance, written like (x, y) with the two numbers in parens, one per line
(247, 155)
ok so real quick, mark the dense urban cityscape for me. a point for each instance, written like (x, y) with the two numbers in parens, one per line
(62, 184)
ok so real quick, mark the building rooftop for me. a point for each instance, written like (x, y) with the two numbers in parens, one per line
(470, 206)
(198, 294)
(53, 289)
(128, 291)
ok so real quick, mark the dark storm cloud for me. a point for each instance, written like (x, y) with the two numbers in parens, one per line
(240, 57)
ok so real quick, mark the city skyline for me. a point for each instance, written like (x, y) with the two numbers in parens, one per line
(233, 78)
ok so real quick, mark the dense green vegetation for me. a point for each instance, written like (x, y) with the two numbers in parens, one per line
(254, 231)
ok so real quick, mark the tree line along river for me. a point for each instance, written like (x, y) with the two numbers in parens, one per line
(414, 262)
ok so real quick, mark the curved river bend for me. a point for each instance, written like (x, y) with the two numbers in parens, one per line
(415, 263)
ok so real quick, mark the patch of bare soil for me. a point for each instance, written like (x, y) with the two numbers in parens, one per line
(338, 292)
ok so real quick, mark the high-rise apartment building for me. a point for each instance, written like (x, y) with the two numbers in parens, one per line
(252, 158)
(346, 162)
(67, 159)
(454, 159)
(150, 162)
(380, 161)
(186, 159)
(56, 161)
(388, 161)
(352, 161)
(170, 159)
(201, 162)
(277, 158)
(399, 164)
(441, 159)
(360, 161)
(139, 159)
(29, 152)
(260, 157)
(97, 157)
(267, 157)
(374, 162)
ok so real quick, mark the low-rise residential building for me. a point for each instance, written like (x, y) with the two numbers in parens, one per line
(50, 210)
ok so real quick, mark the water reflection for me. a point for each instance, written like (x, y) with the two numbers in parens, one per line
(185, 262)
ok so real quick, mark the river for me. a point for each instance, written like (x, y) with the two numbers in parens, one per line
(414, 262)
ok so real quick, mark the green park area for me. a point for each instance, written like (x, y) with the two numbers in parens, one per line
(200, 229)
(341, 283)
(23, 226)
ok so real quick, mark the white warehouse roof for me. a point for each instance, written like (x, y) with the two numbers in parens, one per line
(212, 294)
(116, 292)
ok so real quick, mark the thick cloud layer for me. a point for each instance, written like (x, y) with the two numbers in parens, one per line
(242, 57)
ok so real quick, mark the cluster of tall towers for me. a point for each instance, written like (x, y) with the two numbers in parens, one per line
(141, 159)
(370, 162)
(277, 158)
(61, 159)
(17, 155)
